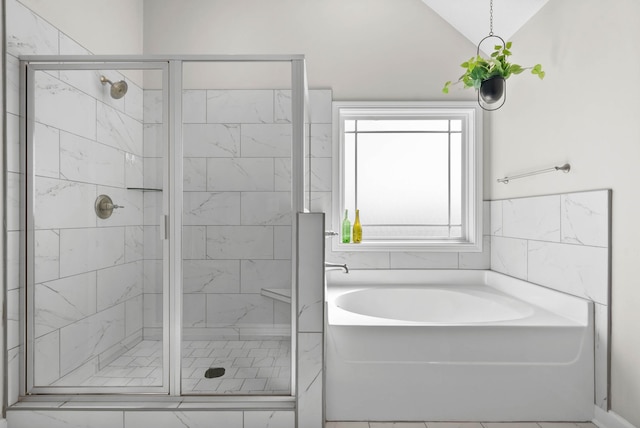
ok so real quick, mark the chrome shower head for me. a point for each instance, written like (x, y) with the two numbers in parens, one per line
(118, 89)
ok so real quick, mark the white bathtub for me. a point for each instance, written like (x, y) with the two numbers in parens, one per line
(455, 346)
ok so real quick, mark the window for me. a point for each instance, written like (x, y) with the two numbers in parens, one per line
(413, 170)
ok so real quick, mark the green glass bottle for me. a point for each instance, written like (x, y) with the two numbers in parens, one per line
(346, 228)
(357, 229)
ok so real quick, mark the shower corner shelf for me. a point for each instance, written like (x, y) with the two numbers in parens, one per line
(281, 294)
(145, 189)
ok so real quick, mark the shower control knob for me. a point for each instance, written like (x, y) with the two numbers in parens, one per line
(104, 206)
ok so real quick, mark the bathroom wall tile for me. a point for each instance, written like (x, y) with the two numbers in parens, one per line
(12, 82)
(321, 174)
(194, 242)
(265, 208)
(47, 255)
(133, 244)
(153, 173)
(153, 143)
(282, 105)
(601, 342)
(417, 260)
(152, 106)
(282, 174)
(282, 242)
(90, 336)
(153, 243)
(90, 162)
(240, 174)
(188, 418)
(194, 106)
(585, 218)
(310, 402)
(321, 135)
(118, 130)
(574, 269)
(134, 315)
(46, 361)
(269, 419)
(82, 250)
(13, 319)
(194, 174)
(509, 256)
(310, 272)
(12, 154)
(240, 106)
(46, 151)
(211, 276)
(13, 200)
(211, 140)
(133, 170)
(63, 204)
(27, 33)
(194, 310)
(496, 218)
(320, 105)
(152, 310)
(88, 81)
(13, 260)
(64, 301)
(134, 101)
(532, 218)
(152, 201)
(152, 276)
(359, 260)
(477, 260)
(211, 208)
(258, 274)
(57, 419)
(118, 284)
(237, 242)
(238, 309)
(62, 106)
(281, 313)
(266, 140)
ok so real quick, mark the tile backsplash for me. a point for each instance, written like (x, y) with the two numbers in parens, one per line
(560, 242)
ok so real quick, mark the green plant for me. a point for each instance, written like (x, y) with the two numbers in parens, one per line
(479, 69)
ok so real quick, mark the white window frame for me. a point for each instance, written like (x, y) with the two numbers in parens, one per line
(471, 113)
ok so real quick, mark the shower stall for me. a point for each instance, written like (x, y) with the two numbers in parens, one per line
(159, 209)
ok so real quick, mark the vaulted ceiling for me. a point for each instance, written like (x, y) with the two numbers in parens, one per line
(471, 17)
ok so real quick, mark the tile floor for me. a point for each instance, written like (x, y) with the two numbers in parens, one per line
(251, 367)
(460, 425)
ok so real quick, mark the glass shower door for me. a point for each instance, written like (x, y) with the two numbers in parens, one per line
(96, 150)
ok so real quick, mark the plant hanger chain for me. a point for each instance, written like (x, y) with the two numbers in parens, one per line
(491, 17)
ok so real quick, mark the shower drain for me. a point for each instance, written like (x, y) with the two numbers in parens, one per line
(214, 372)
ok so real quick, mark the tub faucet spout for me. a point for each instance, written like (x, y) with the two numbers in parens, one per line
(343, 266)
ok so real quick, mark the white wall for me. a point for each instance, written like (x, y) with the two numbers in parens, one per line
(585, 112)
(361, 49)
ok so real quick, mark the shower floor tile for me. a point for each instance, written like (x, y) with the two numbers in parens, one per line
(251, 367)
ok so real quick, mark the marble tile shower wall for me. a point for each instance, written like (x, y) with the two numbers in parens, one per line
(237, 204)
(560, 242)
(88, 275)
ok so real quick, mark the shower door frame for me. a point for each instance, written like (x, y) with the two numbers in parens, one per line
(172, 87)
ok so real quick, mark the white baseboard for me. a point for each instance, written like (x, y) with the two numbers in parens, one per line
(610, 419)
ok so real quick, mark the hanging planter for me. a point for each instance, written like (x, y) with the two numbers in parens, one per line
(488, 75)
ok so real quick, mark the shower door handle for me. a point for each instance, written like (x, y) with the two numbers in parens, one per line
(165, 226)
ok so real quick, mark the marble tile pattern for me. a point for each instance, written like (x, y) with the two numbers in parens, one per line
(88, 272)
(560, 242)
